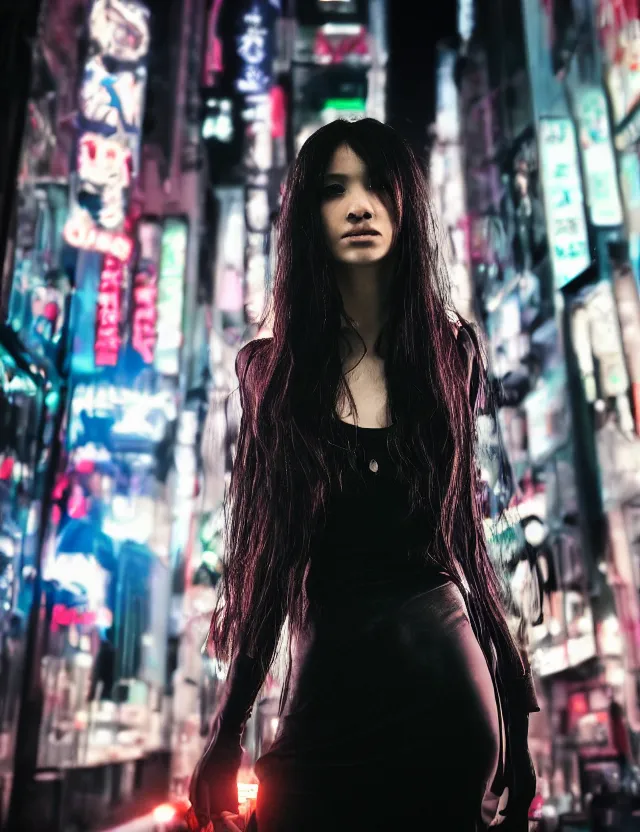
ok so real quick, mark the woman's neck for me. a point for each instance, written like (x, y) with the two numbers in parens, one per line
(364, 293)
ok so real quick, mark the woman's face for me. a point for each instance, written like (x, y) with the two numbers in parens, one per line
(357, 222)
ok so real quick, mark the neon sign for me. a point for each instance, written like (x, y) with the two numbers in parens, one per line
(466, 19)
(145, 292)
(120, 28)
(104, 168)
(110, 105)
(104, 178)
(107, 344)
(212, 64)
(80, 574)
(618, 24)
(256, 273)
(257, 211)
(63, 616)
(145, 295)
(601, 180)
(335, 44)
(171, 297)
(255, 50)
(356, 104)
(80, 232)
(563, 198)
(278, 104)
(218, 122)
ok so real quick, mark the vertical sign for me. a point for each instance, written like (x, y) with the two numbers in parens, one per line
(173, 260)
(466, 19)
(603, 195)
(110, 107)
(212, 65)
(191, 155)
(108, 312)
(563, 199)
(230, 263)
(255, 48)
(630, 185)
(619, 29)
(144, 316)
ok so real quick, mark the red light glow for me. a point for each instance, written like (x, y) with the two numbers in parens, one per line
(247, 791)
(164, 813)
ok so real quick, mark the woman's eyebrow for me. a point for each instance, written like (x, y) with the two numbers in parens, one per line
(345, 177)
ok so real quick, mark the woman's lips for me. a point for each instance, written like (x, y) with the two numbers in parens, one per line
(361, 235)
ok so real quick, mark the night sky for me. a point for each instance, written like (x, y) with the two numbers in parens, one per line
(411, 69)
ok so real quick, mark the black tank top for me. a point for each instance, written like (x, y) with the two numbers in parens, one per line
(369, 543)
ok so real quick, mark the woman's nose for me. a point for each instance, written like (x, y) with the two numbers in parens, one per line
(359, 204)
(358, 215)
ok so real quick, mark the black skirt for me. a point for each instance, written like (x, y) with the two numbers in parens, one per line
(392, 723)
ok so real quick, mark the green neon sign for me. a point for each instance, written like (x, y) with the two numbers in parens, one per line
(345, 104)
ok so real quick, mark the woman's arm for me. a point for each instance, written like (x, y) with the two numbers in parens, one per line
(522, 699)
(247, 674)
(214, 782)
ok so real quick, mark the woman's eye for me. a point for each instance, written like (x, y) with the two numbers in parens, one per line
(332, 190)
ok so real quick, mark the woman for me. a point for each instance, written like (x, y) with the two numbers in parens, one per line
(354, 516)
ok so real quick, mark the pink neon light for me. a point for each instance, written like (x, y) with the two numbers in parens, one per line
(278, 112)
(145, 313)
(80, 233)
(6, 468)
(62, 616)
(107, 344)
(335, 51)
(213, 64)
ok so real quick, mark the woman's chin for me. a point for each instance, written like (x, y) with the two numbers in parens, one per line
(362, 258)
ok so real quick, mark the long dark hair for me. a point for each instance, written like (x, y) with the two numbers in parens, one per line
(290, 386)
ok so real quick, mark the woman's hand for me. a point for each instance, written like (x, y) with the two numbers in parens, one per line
(214, 783)
(226, 822)
(229, 823)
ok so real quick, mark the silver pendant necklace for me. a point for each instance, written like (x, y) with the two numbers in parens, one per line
(373, 463)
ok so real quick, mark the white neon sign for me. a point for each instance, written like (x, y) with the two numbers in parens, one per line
(466, 19)
(563, 199)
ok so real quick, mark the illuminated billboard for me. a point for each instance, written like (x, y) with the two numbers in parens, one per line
(598, 159)
(255, 48)
(563, 199)
(173, 262)
(618, 24)
(110, 109)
